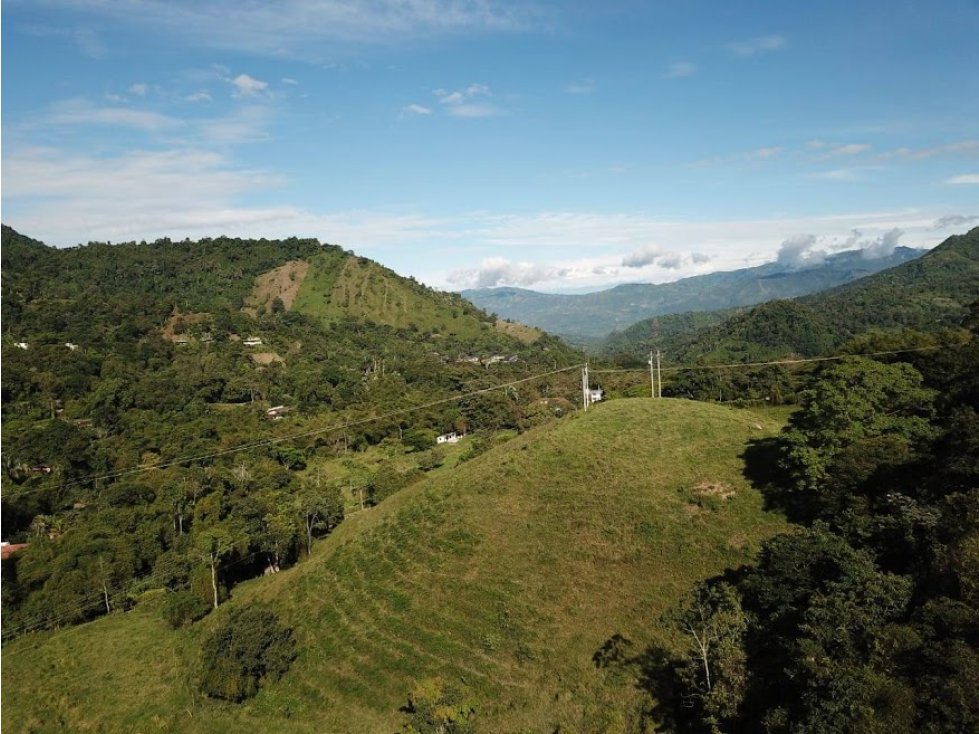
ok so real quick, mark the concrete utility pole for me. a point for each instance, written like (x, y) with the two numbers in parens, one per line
(659, 377)
(652, 378)
(585, 393)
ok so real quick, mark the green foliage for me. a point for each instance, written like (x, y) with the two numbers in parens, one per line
(715, 673)
(437, 707)
(852, 402)
(184, 607)
(319, 510)
(249, 649)
(431, 459)
(866, 621)
(386, 481)
(506, 573)
(133, 396)
(419, 439)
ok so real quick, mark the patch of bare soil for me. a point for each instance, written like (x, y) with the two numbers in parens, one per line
(283, 283)
(265, 357)
(526, 334)
(715, 489)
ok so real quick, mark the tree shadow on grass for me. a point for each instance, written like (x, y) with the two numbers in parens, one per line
(657, 676)
(761, 469)
(654, 673)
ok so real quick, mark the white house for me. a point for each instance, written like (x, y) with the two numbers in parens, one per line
(596, 395)
(276, 413)
(252, 341)
(451, 437)
(72, 347)
(20, 345)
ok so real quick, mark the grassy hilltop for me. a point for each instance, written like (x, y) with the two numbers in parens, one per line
(504, 575)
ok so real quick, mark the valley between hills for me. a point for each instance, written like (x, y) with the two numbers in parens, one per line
(274, 485)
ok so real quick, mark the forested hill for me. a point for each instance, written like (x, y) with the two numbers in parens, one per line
(160, 398)
(598, 314)
(931, 291)
(141, 285)
(928, 294)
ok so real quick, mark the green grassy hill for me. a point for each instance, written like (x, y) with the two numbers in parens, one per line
(506, 575)
(358, 288)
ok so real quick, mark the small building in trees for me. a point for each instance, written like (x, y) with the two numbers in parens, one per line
(253, 341)
(450, 437)
(596, 394)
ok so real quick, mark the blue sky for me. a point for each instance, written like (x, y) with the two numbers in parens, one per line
(552, 145)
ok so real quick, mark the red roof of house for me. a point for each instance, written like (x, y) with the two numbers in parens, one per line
(8, 550)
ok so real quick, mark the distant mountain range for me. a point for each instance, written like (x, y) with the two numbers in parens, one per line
(927, 294)
(594, 315)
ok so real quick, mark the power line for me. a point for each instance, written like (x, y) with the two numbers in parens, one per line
(305, 434)
(735, 365)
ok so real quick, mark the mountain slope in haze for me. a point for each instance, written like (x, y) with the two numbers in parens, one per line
(505, 576)
(926, 294)
(598, 314)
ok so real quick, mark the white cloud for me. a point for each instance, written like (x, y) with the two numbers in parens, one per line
(755, 46)
(953, 220)
(848, 149)
(583, 86)
(680, 70)
(497, 271)
(88, 42)
(761, 154)
(201, 96)
(965, 178)
(83, 112)
(816, 144)
(66, 197)
(642, 257)
(474, 110)
(883, 245)
(63, 197)
(673, 261)
(845, 175)
(960, 148)
(462, 103)
(139, 89)
(653, 255)
(798, 251)
(801, 250)
(247, 86)
(300, 28)
(245, 124)
(416, 109)
(290, 81)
